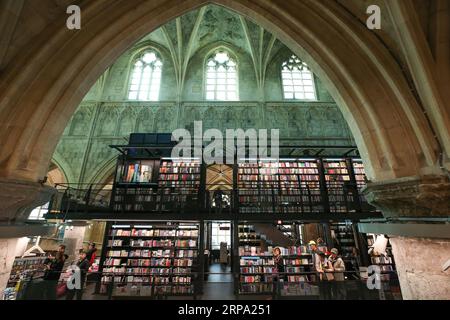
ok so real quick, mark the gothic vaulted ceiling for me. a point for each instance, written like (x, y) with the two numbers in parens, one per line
(188, 34)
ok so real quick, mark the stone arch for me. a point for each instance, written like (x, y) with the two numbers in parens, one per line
(37, 97)
(63, 166)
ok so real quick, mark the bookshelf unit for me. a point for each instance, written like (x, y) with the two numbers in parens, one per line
(338, 185)
(178, 182)
(150, 260)
(23, 270)
(156, 185)
(345, 238)
(249, 240)
(257, 270)
(386, 263)
(287, 186)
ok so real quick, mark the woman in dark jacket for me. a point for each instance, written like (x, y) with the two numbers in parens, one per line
(53, 273)
(279, 263)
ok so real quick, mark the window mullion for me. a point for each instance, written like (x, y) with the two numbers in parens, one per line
(140, 82)
(150, 82)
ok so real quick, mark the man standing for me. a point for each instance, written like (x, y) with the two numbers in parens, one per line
(315, 259)
(83, 267)
(338, 287)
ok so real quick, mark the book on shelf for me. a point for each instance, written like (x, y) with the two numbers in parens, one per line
(151, 255)
(138, 172)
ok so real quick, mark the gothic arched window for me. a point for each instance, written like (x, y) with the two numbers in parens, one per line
(298, 80)
(221, 77)
(146, 77)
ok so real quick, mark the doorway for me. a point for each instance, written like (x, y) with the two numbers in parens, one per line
(218, 269)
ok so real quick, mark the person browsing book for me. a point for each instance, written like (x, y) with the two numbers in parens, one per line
(338, 265)
(324, 268)
(54, 266)
(91, 253)
(278, 261)
(338, 289)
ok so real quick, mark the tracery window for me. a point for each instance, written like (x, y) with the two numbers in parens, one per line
(145, 80)
(221, 77)
(298, 80)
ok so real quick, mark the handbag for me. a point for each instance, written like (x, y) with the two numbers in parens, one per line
(61, 289)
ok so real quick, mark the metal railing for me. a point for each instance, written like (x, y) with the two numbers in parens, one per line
(306, 285)
(151, 198)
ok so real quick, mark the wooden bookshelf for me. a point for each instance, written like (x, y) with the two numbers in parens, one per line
(160, 256)
(178, 182)
(338, 185)
(345, 241)
(386, 263)
(257, 271)
(287, 186)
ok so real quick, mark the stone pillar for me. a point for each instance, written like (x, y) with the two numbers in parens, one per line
(19, 198)
(7, 256)
(417, 210)
(412, 197)
(420, 265)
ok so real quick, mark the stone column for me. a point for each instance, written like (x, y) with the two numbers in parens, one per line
(7, 256)
(417, 212)
(18, 198)
(421, 267)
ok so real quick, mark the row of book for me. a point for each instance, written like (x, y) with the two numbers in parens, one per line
(143, 233)
(117, 253)
(151, 243)
(256, 278)
(180, 164)
(137, 173)
(258, 269)
(382, 260)
(257, 262)
(179, 177)
(177, 170)
(281, 164)
(149, 262)
(297, 262)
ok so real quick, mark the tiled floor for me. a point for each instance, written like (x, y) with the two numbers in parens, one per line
(220, 273)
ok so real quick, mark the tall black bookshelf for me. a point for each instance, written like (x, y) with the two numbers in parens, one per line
(150, 259)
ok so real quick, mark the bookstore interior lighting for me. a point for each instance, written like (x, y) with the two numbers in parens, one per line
(355, 205)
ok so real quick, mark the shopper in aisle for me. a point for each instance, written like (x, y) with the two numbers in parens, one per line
(325, 274)
(54, 267)
(338, 286)
(83, 265)
(315, 256)
(91, 253)
(279, 262)
(279, 269)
